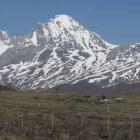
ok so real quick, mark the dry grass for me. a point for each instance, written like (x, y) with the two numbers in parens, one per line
(28, 116)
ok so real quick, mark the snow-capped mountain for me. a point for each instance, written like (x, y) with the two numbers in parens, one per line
(62, 51)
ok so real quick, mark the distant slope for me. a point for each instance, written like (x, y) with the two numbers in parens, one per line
(8, 88)
(85, 87)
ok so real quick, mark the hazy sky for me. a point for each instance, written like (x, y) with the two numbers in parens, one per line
(116, 21)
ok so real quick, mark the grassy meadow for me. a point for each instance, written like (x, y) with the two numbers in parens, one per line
(59, 116)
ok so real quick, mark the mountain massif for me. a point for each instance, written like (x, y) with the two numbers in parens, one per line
(63, 53)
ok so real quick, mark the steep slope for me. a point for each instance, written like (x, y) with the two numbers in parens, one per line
(4, 41)
(62, 51)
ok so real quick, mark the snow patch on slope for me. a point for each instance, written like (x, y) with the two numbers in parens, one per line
(110, 46)
(3, 48)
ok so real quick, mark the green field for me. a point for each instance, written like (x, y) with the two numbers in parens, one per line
(56, 116)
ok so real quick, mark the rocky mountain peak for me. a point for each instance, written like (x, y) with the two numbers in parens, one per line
(63, 51)
(4, 35)
(64, 19)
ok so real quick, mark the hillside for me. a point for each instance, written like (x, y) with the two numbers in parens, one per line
(7, 88)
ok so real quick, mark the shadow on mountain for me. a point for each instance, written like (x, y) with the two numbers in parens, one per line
(85, 87)
(7, 88)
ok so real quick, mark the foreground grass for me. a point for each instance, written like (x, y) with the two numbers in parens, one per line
(51, 116)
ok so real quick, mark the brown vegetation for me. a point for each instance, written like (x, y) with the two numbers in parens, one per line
(50, 116)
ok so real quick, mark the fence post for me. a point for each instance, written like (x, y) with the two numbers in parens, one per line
(22, 122)
(39, 104)
(82, 122)
(131, 126)
(108, 108)
(52, 121)
(108, 120)
(108, 129)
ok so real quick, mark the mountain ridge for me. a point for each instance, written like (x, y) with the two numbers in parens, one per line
(62, 51)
